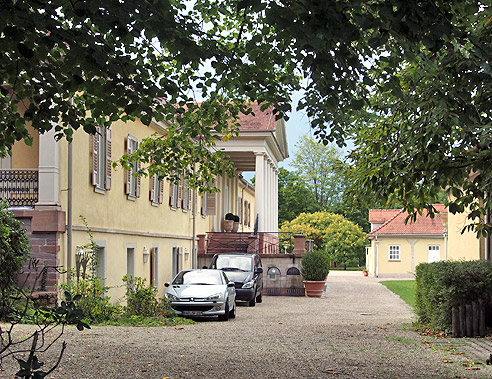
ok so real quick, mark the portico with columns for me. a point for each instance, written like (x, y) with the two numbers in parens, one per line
(259, 147)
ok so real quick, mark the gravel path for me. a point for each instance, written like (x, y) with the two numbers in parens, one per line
(359, 329)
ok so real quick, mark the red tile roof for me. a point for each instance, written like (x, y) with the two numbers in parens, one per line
(423, 224)
(262, 120)
(380, 216)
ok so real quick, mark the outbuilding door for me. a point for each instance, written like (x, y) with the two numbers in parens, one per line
(434, 253)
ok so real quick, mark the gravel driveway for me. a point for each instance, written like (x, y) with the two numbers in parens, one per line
(359, 329)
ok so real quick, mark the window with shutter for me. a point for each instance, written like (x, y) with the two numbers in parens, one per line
(100, 159)
(204, 205)
(186, 196)
(108, 160)
(161, 191)
(173, 198)
(211, 203)
(156, 190)
(132, 181)
(180, 191)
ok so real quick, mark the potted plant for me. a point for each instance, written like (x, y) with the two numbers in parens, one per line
(315, 266)
(235, 225)
(364, 271)
(228, 222)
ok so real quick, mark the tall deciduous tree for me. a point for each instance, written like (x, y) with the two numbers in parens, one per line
(427, 62)
(341, 238)
(322, 170)
(294, 197)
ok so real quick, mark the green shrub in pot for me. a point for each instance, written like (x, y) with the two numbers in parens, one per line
(315, 265)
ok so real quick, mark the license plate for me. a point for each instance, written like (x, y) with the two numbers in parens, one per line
(192, 313)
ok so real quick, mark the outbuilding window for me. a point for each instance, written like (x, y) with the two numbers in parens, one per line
(394, 252)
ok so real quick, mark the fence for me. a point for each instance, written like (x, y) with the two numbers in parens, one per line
(19, 187)
(469, 320)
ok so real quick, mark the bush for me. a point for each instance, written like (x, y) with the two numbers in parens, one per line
(94, 302)
(14, 251)
(141, 300)
(315, 265)
(444, 285)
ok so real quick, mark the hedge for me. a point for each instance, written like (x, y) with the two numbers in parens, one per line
(444, 285)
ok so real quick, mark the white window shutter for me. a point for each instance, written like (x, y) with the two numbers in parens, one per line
(94, 143)
(108, 159)
(160, 184)
(211, 203)
(139, 179)
(128, 172)
(190, 197)
(180, 190)
(152, 187)
(171, 194)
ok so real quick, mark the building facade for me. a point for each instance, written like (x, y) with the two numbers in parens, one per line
(142, 226)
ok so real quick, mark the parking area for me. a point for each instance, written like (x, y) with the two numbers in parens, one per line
(358, 329)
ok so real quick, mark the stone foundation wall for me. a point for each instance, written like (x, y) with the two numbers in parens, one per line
(275, 285)
(43, 231)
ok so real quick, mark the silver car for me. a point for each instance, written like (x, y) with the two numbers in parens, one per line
(202, 293)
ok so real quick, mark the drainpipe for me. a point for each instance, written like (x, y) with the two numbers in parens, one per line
(69, 209)
(487, 221)
(242, 202)
(195, 198)
(446, 245)
(376, 258)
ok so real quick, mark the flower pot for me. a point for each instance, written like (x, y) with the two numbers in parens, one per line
(227, 225)
(365, 273)
(235, 227)
(314, 288)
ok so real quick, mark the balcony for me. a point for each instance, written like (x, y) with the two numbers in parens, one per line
(19, 188)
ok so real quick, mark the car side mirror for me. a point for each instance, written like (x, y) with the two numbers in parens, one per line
(230, 284)
(167, 284)
(259, 270)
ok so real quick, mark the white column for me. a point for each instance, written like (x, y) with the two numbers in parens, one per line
(260, 191)
(275, 200)
(271, 192)
(267, 194)
(49, 169)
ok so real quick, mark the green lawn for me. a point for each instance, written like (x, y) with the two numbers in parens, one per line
(403, 288)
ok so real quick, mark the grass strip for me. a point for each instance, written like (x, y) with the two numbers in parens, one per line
(403, 288)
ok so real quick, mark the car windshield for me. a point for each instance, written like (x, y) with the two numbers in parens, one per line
(198, 277)
(228, 263)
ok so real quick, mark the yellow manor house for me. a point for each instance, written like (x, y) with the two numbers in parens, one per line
(142, 226)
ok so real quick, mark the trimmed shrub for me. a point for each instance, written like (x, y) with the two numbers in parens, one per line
(315, 265)
(444, 285)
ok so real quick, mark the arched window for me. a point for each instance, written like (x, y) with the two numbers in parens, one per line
(293, 271)
(273, 272)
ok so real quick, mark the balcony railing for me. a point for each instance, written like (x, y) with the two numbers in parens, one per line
(19, 188)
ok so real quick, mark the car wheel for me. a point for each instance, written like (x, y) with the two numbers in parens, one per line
(232, 313)
(259, 298)
(225, 316)
(252, 302)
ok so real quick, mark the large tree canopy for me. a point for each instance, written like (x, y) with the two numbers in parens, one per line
(322, 169)
(342, 239)
(409, 81)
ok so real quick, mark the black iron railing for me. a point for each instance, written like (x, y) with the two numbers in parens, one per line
(19, 187)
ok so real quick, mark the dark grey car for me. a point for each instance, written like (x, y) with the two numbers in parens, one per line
(246, 271)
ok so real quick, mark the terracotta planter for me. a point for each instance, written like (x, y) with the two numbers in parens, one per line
(314, 288)
(227, 225)
(235, 227)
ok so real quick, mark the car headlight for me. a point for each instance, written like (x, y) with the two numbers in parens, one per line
(249, 284)
(171, 297)
(216, 296)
